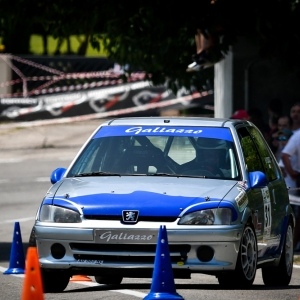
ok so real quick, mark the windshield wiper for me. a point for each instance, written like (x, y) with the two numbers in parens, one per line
(90, 174)
(175, 175)
(97, 174)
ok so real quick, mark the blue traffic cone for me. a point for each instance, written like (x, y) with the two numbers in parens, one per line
(17, 258)
(163, 285)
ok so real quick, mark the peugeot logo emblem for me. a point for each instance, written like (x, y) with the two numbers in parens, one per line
(130, 216)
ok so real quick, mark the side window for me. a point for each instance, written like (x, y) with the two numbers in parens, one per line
(252, 159)
(263, 150)
(181, 150)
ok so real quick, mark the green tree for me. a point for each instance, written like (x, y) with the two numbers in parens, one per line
(158, 36)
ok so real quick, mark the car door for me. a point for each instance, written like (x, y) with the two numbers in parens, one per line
(255, 195)
(275, 203)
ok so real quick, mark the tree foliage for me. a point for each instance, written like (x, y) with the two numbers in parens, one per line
(158, 36)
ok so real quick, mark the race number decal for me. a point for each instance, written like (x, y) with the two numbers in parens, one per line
(267, 212)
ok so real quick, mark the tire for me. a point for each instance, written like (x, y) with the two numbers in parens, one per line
(281, 275)
(32, 240)
(54, 282)
(112, 280)
(246, 265)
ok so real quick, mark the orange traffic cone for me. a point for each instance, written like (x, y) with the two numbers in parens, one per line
(33, 286)
(80, 278)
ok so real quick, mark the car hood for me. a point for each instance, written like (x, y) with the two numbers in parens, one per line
(151, 196)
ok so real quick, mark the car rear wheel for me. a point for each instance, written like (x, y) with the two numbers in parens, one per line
(281, 275)
(246, 266)
(54, 282)
(113, 280)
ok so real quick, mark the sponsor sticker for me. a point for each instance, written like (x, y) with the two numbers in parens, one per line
(119, 237)
(241, 199)
(243, 184)
(208, 132)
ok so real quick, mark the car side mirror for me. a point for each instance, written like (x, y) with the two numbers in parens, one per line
(57, 175)
(258, 179)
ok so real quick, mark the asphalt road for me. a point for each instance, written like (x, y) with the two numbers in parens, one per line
(27, 158)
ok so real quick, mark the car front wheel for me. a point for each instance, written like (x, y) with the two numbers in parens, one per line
(281, 275)
(54, 282)
(32, 240)
(113, 280)
(246, 266)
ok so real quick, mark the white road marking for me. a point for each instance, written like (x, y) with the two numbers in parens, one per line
(10, 160)
(127, 292)
(296, 266)
(17, 220)
(38, 179)
(66, 158)
(16, 275)
(43, 179)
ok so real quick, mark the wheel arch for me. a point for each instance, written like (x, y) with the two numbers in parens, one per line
(247, 217)
(290, 213)
(287, 219)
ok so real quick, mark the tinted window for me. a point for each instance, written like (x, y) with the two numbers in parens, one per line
(267, 159)
(252, 158)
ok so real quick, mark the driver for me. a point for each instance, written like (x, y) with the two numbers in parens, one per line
(210, 153)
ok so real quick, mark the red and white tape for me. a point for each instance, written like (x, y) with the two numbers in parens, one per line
(83, 75)
(77, 87)
(31, 63)
(116, 76)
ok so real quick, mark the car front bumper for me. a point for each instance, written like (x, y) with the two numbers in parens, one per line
(198, 249)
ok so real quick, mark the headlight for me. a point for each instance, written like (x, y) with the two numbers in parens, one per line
(216, 216)
(50, 213)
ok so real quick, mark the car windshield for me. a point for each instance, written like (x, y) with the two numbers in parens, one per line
(144, 151)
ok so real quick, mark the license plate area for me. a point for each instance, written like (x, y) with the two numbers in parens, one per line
(125, 236)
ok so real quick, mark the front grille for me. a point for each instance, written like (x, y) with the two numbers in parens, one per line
(126, 253)
(147, 248)
(105, 218)
(141, 218)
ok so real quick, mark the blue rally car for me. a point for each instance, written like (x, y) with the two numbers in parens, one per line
(214, 184)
